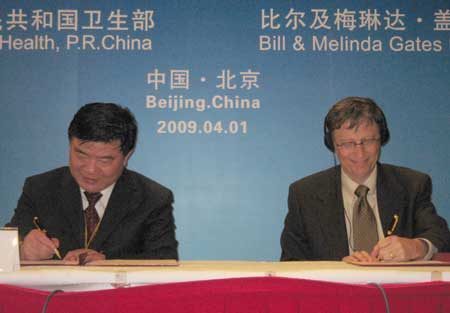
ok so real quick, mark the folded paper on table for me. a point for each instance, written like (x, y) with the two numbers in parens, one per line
(408, 263)
(133, 263)
(49, 262)
(101, 263)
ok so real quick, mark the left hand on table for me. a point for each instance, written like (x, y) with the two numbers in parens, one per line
(84, 255)
(360, 256)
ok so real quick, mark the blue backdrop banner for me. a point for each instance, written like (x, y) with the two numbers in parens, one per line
(230, 98)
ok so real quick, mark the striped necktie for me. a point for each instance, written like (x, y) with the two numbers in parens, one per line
(91, 215)
(365, 234)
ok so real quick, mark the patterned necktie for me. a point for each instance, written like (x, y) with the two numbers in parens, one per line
(90, 214)
(365, 234)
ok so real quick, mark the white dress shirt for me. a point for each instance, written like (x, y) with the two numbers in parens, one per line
(349, 198)
(102, 203)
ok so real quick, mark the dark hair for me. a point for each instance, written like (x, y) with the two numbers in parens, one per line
(105, 122)
(354, 110)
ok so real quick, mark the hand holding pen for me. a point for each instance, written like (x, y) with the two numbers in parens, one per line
(39, 227)
(380, 252)
(37, 245)
(400, 249)
(385, 249)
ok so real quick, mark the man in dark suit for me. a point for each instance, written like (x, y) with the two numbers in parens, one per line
(96, 207)
(330, 218)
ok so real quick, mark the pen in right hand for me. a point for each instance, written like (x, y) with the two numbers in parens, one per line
(38, 227)
(394, 225)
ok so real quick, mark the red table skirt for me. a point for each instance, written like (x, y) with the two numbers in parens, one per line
(253, 295)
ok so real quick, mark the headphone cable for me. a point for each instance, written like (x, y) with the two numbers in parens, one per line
(383, 293)
(49, 297)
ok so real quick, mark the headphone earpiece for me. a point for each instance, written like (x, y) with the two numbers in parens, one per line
(384, 130)
(327, 137)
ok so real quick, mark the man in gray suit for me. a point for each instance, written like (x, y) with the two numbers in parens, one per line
(96, 207)
(361, 210)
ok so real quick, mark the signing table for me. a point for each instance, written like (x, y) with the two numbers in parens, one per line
(226, 286)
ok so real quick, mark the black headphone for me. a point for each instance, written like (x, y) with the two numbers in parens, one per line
(378, 116)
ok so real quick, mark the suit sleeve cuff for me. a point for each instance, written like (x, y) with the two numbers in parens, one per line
(431, 249)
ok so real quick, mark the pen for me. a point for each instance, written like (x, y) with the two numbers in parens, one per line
(394, 225)
(38, 227)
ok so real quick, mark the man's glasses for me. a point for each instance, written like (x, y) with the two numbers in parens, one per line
(351, 145)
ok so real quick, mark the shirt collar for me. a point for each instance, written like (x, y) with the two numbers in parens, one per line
(349, 186)
(106, 193)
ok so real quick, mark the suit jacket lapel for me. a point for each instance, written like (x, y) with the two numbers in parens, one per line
(332, 217)
(390, 197)
(123, 199)
(70, 201)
